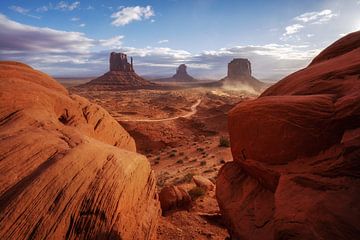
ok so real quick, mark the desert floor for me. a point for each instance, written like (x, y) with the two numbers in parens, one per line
(179, 132)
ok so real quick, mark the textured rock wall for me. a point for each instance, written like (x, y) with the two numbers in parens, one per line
(68, 170)
(295, 173)
(239, 67)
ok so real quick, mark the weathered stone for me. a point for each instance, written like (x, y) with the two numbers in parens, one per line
(182, 75)
(239, 77)
(120, 77)
(239, 67)
(203, 182)
(68, 170)
(173, 197)
(118, 62)
(296, 150)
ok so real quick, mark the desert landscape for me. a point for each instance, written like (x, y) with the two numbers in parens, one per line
(116, 154)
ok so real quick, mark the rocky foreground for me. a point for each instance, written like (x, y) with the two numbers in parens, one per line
(68, 170)
(296, 151)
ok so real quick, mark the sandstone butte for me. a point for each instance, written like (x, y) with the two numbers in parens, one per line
(121, 76)
(68, 170)
(296, 152)
(181, 75)
(240, 76)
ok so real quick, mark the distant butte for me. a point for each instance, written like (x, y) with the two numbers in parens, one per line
(182, 75)
(121, 75)
(239, 74)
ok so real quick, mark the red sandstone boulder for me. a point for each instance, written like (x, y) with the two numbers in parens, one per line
(68, 170)
(173, 197)
(203, 182)
(296, 149)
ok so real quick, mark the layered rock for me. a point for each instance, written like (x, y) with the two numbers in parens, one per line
(239, 76)
(68, 170)
(121, 76)
(295, 173)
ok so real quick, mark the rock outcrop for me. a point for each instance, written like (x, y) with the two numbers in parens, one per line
(120, 77)
(239, 67)
(182, 75)
(68, 170)
(173, 197)
(295, 173)
(239, 76)
(203, 182)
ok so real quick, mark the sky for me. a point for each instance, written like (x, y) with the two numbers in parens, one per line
(75, 38)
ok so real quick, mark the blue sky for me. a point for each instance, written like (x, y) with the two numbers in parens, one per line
(74, 38)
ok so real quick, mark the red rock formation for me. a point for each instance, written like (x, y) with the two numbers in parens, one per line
(239, 76)
(182, 75)
(120, 77)
(68, 170)
(173, 197)
(239, 67)
(118, 62)
(295, 173)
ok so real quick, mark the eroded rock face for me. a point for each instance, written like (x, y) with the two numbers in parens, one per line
(118, 62)
(239, 77)
(296, 149)
(239, 67)
(173, 197)
(120, 77)
(182, 75)
(68, 170)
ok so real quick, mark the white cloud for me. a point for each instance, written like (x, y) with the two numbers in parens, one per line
(19, 9)
(171, 54)
(20, 37)
(82, 25)
(129, 14)
(310, 35)
(65, 6)
(316, 17)
(293, 29)
(163, 41)
(75, 19)
(42, 9)
(113, 42)
(22, 11)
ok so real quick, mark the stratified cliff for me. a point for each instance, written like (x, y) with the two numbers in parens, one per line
(296, 151)
(68, 170)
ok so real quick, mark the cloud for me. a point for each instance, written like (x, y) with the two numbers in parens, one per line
(113, 42)
(75, 19)
(82, 25)
(42, 9)
(19, 9)
(65, 6)
(293, 29)
(20, 37)
(316, 17)
(23, 11)
(127, 15)
(163, 41)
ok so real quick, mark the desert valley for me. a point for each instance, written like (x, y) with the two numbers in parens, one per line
(125, 156)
